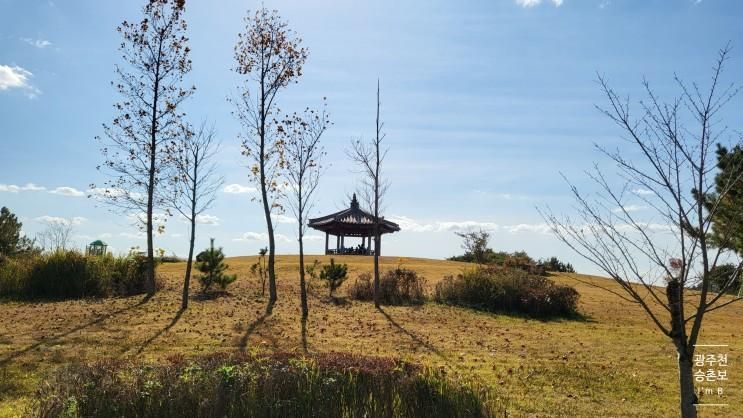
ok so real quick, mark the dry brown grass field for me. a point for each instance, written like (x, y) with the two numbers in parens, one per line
(612, 363)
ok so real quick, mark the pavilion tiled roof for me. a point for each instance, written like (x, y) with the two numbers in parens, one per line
(353, 221)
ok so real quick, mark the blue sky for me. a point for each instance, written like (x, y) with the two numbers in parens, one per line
(484, 104)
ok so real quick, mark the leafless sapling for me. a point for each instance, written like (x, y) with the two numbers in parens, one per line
(657, 258)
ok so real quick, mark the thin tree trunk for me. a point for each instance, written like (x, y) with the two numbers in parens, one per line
(302, 284)
(376, 209)
(187, 278)
(272, 297)
(376, 269)
(150, 284)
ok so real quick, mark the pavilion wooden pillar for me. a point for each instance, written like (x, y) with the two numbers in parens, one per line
(326, 242)
(337, 243)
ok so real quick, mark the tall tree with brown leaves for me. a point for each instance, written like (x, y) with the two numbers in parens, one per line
(270, 57)
(138, 144)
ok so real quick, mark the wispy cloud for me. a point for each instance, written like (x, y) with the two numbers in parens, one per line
(47, 219)
(643, 192)
(629, 208)
(283, 219)
(204, 219)
(132, 235)
(37, 43)
(29, 187)
(409, 224)
(534, 3)
(261, 237)
(17, 78)
(67, 191)
(103, 193)
(238, 189)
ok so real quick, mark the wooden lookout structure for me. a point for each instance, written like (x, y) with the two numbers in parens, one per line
(352, 222)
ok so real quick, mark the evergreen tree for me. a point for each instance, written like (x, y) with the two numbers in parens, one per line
(211, 263)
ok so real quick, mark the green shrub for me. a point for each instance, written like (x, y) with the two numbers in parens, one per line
(70, 274)
(396, 287)
(241, 385)
(508, 291)
(334, 275)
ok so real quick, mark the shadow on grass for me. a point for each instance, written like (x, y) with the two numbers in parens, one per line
(57, 338)
(251, 330)
(428, 346)
(149, 341)
(304, 335)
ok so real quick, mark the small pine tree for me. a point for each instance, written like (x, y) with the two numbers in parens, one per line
(211, 263)
(334, 274)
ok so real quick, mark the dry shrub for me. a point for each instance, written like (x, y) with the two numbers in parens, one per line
(71, 275)
(508, 291)
(397, 287)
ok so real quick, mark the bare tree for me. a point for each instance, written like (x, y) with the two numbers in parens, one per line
(370, 157)
(303, 153)
(656, 260)
(56, 236)
(475, 243)
(270, 56)
(136, 144)
(193, 185)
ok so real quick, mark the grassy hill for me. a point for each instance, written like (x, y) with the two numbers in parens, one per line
(612, 363)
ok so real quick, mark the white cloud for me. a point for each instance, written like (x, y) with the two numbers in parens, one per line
(203, 218)
(105, 235)
(29, 187)
(77, 220)
(238, 189)
(10, 188)
(629, 208)
(314, 237)
(112, 193)
(67, 191)
(37, 43)
(533, 3)
(542, 228)
(132, 235)
(261, 236)
(17, 78)
(643, 192)
(409, 224)
(283, 219)
(207, 219)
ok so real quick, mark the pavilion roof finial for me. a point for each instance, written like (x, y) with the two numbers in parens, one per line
(354, 202)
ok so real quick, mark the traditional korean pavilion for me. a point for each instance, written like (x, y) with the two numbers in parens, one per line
(352, 222)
